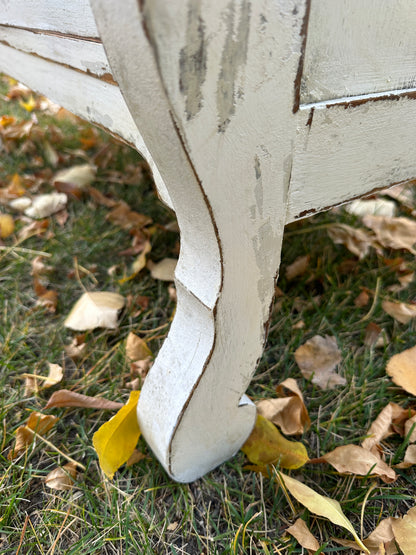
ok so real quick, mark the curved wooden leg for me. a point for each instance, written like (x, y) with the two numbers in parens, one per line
(203, 110)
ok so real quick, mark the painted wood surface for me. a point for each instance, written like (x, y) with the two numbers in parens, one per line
(84, 55)
(357, 47)
(72, 17)
(251, 115)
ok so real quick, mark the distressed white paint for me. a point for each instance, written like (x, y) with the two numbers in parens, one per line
(73, 17)
(359, 47)
(87, 56)
(214, 88)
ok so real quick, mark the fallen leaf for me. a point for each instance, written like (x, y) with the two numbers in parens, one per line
(320, 505)
(163, 270)
(135, 457)
(45, 205)
(353, 459)
(29, 105)
(379, 207)
(6, 225)
(288, 412)
(62, 478)
(405, 532)
(266, 445)
(36, 228)
(32, 380)
(56, 373)
(136, 348)
(402, 369)
(317, 359)
(20, 204)
(410, 428)
(67, 398)
(37, 422)
(79, 176)
(382, 426)
(116, 440)
(372, 334)
(357, 240)
(409, 457)
(102, 199)
(395, 233)
(77, 347)
(362, 299)
(95, 310)
(123, 216)
(298, 267)
(401, 312)
(301, 533)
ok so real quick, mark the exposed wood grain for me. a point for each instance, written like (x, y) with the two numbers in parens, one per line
(79, 54)
(72, 17)
(357, 47)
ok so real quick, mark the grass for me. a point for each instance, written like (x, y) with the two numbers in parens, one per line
(231, 510)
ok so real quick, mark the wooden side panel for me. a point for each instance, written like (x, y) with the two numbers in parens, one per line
(359, 47)
(73, 17)
(343, 151)
(84, 55)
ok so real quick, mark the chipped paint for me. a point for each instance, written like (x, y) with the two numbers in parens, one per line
(193, 61)
(258, 191)
(233, 59)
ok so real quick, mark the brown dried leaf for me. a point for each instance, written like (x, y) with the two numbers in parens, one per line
(37, 422)
(301, 533)
(353, 459)
(405, 532)
(136, 348)
(95, 310)
(402, 369)
(357, 240)
(67, 398)
(402, 312)
(409, 457)
(383, 536)
(395, 233)
(362, 299)
(298, 267)
(102, 199)
(410, 428)
(288, 412)
(317, 358)
(126, 218)
(163, 270)
(382, 427)
(77, 347)
(135, 457)
(62, 478)
(372, 334)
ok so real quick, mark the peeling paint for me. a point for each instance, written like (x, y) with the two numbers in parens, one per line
(258, 191)
(233, 59)
(193, 61)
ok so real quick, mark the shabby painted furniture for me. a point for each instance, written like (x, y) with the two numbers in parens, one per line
(251, 114)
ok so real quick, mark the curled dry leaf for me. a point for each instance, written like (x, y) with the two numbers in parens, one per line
(402, 369)
(77, 347)
(45, 205)
(62, 478)
(95, 310)
(136, 348)
(301, 533)
(362, 299)
(37, 422)
(317, 359)
(163, 270)
(288, 412)
(80, 175)
(378, 207)
(298, 267)
(410, 428)
(353, 459)
(54, 376)
(395, 233)
(358, 241)
(409, 457)
(116, 440)
(67, 398)
(402, 312)
(391, 417)
(6, 225)
(126, 218)
(320, 505)
(266, 445)
(405, 532)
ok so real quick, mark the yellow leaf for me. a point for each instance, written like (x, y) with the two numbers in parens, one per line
(266, 445)
(6, 225)
(136, 348)
(30, 105)
(116, 440)
(320, 505)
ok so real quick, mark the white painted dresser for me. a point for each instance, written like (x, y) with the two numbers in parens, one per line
(251, 114)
